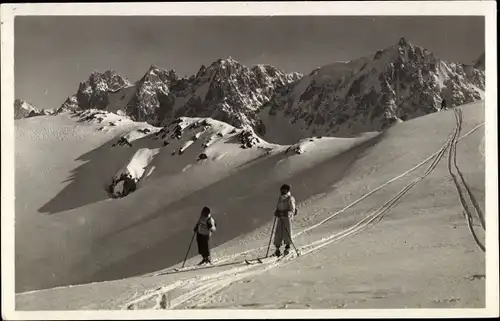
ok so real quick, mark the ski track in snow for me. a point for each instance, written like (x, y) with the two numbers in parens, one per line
(195, 295)
(452, 156)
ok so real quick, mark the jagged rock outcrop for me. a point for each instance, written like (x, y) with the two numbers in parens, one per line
(153, 99)
(93, 93)
(229, 91)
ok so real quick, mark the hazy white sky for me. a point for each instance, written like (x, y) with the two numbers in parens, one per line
(54, 54)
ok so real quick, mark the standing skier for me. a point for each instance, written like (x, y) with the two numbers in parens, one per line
(285, 211)
(203, 230)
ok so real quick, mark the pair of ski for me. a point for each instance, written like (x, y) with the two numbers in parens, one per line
(262, 260)
(259, 260)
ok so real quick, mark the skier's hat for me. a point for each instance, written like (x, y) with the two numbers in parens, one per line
(285, 187)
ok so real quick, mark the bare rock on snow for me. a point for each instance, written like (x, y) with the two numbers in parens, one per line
(122, 186)
(248, 139)
(122, 141)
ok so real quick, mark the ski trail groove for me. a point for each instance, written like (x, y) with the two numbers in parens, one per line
(452, 155)
(384, 184)
(377, 214)
(472, 197)
(218, 281)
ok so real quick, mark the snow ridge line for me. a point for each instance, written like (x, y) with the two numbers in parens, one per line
(452, 154)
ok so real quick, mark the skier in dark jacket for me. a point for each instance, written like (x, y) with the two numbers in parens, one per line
(204, 229)
(285, 211)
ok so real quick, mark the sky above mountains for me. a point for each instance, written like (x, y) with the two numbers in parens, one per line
(54, 54)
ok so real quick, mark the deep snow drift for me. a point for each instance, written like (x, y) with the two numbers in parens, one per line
(420, 255)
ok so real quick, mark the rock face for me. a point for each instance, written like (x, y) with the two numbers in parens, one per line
(152, 99)
(24, 109)
(226, 91)
(230, 92)
(368, 94)
(93, 93)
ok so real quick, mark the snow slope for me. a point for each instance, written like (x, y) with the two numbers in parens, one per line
(420, 254)
(90, 236)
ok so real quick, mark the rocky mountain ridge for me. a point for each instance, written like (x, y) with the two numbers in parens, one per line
(368, 94)
(342, 99)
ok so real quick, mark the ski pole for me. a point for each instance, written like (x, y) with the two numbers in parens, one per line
(271, 237)
(190, 243)
(290, 236)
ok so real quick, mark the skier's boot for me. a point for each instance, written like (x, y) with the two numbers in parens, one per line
(208, 260)
(203, 261)
(277, 253)
(287, 250)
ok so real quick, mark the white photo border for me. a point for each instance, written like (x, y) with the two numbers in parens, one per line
(340, 8)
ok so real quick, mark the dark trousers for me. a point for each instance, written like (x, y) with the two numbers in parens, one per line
(203, 245)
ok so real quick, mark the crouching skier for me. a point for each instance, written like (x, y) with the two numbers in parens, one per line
(203, 230)
(285, 211)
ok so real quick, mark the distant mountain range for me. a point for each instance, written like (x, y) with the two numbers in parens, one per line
(24, 109)
(397, 83)
(368, 94)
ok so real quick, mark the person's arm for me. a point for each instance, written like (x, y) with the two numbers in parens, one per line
(211, 223)
(292, 205)
(196, 227)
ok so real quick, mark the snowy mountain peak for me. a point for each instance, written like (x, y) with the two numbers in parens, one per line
(93, 93)
(25, 109)
(403, 42)
(370, 93)
(226, 61)
(109, 78)
(155, 74)
(229, 91)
